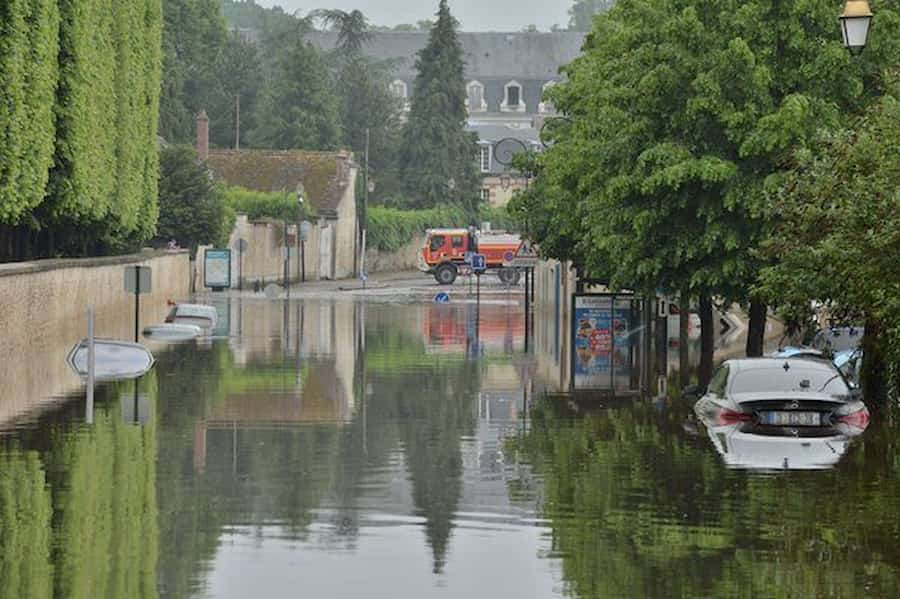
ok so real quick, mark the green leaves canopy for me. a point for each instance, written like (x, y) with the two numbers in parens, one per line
(682, 116)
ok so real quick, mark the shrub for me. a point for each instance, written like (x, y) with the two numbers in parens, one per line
(259, 205)
(191, 208)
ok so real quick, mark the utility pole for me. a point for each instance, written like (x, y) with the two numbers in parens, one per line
(237, 121)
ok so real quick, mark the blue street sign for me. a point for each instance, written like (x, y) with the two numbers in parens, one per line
(442, 298)
(479, 263)
(468, 258)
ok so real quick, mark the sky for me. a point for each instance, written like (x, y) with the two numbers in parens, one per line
(475, 15)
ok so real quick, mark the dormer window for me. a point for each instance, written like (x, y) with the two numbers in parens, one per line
(546, 106)
(475, 97)
(512, 98)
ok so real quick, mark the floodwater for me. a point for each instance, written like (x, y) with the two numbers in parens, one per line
(341, 448)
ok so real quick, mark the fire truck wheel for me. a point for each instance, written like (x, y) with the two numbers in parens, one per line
(445, 274)
(508, 276)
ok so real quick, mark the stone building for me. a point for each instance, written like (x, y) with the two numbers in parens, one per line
(506, 77)
(328, 181)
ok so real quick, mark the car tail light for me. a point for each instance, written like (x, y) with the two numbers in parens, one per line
(732, 417)
(859, 419)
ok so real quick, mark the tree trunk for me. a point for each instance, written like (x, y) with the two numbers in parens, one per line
(684, 359)
(874, 373)
(756, 333)
(707, 339)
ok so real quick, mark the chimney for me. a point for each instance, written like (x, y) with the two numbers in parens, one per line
(202, 136)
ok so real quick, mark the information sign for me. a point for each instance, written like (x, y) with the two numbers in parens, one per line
(217, 269)
(479, 263)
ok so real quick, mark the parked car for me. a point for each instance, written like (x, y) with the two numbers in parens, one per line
(199, 315)
(797, 351)
(781, 413)
(838, 339)
(781, 392)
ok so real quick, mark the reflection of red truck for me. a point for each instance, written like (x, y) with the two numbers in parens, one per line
(445, 253)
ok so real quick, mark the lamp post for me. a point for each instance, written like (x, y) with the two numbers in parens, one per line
(855, 22)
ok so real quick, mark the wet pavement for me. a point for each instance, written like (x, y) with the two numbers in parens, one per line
(379, 444)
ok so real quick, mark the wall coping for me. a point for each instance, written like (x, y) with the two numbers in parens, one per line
(38, 266)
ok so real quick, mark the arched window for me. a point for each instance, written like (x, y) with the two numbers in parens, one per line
(512, 98)
(475, 97)
(546, 106)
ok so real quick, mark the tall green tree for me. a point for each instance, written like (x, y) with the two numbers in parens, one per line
(239, 77)
(582, 13)
(838, 234)
(683, 115)
(299, 109)
(437, 158)
(368, 110)
(194, 36)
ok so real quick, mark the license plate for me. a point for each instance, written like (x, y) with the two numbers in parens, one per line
(790, 418)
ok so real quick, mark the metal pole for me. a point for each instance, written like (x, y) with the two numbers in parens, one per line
(303, 260)
(137, 301)
(89, 407)
(237, 122)
(527, 314)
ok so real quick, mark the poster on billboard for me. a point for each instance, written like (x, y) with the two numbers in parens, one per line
(217, 269)
(604, 341)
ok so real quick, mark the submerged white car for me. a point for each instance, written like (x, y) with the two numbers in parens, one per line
(776, 413)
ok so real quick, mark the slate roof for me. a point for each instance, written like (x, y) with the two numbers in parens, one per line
(536, 56)
(325, 175)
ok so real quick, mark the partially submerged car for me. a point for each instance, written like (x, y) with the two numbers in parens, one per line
(780, 413)
(199, 315)
(793, 392)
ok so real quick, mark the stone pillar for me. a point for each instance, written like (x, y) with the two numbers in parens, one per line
(202, 136)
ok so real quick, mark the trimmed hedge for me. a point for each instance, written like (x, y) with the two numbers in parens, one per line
(390, 229)
(258, 205)
(29, 72)
(81, 81)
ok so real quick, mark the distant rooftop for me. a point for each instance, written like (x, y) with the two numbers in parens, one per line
(325, 175)
(488, 55)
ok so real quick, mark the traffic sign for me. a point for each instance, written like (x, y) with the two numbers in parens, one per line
(138, 280)
(525, 257)
(479, 263)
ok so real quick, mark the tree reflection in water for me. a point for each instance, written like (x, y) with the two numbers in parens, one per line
(640, 508)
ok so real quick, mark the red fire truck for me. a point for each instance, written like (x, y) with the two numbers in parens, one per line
(445, 251)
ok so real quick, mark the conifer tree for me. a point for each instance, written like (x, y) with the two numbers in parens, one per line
(438, 155)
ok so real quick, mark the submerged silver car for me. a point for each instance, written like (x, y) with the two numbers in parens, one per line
(773, 393)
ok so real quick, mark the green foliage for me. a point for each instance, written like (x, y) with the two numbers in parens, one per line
(25, 516)
(194, 36)
(258, 205)
(299, 109)
(238, 73)
(29, 48)
(681, 116)
(838, 227)
(192, 208)
(436, 148)
(582, 13)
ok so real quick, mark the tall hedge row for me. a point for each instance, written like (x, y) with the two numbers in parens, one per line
(29, 44)
(78, 118)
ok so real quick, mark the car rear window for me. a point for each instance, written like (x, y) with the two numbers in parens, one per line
(798, 378)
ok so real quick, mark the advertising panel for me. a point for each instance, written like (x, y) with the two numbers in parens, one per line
(605, 339)
(217, 266)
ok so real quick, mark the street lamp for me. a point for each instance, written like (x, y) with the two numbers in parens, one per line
(855, 22)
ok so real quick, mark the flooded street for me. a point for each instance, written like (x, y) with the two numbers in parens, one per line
(350, 445)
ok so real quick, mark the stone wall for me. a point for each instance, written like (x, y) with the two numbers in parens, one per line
(43, 313)
(406, 258)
